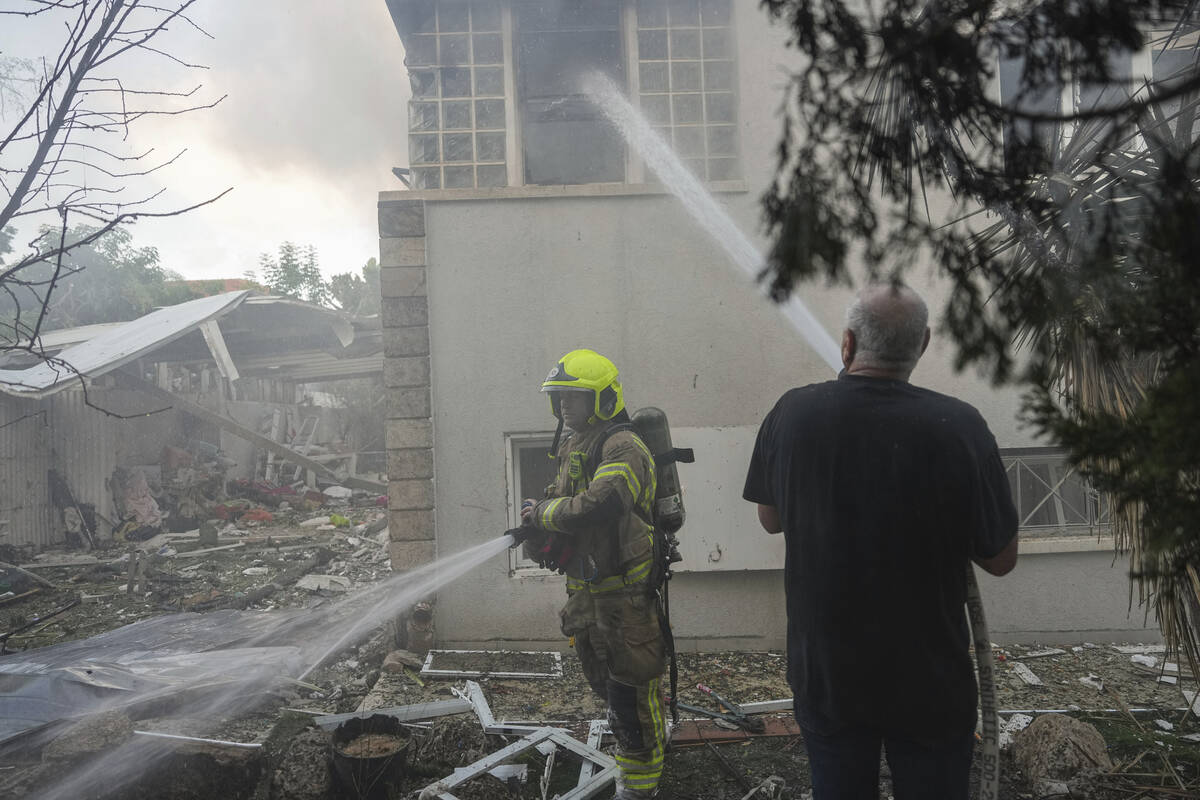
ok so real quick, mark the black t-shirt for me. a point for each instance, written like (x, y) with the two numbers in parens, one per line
(885, 491)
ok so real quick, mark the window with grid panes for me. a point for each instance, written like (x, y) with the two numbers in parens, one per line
(686, 81)
(456, 119)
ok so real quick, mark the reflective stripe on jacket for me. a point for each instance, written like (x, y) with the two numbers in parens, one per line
(605, 515)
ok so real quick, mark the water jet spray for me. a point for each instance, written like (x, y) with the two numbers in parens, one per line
(662, 160)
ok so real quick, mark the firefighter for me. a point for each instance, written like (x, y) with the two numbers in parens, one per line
(594, 524)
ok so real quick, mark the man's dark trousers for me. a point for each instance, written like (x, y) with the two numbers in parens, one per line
(845, 766)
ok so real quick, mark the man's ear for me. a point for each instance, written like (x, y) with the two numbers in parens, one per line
(849, 347)
(925, 343)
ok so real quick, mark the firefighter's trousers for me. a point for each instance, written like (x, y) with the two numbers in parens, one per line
(620, 645)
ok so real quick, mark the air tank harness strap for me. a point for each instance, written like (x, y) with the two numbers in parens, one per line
(611, 584)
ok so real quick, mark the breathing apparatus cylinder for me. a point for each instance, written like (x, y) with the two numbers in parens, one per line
(651, 425)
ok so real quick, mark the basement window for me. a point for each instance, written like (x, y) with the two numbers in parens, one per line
(1051, 497)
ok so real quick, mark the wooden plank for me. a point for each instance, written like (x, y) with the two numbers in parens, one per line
(211, 332)
(241, 431)
(690, 733)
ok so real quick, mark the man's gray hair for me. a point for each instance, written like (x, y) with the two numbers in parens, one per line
(888, 321)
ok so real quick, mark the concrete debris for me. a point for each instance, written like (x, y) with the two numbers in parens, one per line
(1093, 680)
(253, 571)
(1164, 724)
(397, 660)
(328, 583)
(1055, 747)
(1171, 680)
(1011, 727)
(338, 492)
(1144, 661)
(314, 522)
(1193, 700)
(1026, 674)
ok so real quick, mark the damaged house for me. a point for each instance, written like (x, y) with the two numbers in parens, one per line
(532, 227)
(134, 425)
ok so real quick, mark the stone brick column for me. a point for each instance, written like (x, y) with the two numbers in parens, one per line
(405, 319)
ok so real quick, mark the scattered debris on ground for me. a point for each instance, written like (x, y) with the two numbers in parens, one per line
(281, 744)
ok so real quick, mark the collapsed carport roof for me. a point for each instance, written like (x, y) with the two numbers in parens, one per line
(258, 326)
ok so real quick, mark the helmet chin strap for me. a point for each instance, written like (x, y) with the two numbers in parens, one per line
(557, 436)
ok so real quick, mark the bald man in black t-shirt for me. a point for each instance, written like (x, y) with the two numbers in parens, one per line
(885, 492)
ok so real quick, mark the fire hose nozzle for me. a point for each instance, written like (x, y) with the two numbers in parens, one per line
(519, 534)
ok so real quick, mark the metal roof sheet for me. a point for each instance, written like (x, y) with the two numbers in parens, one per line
(117, 346)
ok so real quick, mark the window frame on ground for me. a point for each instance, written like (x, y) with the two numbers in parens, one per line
(672, 56)
(1052, 498)
(530, 445)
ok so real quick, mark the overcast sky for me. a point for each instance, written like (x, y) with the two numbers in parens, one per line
(313, 123)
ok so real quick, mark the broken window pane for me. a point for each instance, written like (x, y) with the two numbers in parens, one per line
(457, 147)
(423, 149)
(422, 116)
(452, 17)
(455, 49)
(457, 114)
(489, 48)
(420, 51)
(491, 175)
(566, 139)
(573, 151)
(456, 82)
(489, 81)
(489, 113)
(485, 16)
(460, 177)
(489, 146)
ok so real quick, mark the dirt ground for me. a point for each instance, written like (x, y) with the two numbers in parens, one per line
(1141, 718)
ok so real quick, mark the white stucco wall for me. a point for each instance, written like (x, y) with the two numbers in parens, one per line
(515, 282)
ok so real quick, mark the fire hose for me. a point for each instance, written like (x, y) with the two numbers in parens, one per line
(989, 764)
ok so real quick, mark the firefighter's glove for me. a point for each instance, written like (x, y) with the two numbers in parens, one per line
(520, 534)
